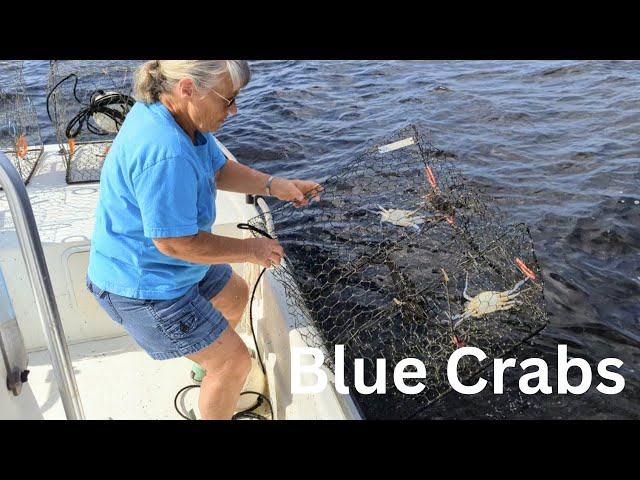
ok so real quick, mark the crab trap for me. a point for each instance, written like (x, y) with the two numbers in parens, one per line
(403, 258)
(20, 138)
(87, 102)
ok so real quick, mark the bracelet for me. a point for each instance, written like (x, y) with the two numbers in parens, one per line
(268, 189)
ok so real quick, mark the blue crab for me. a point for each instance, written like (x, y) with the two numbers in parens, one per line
(399, 217)
(488, 301)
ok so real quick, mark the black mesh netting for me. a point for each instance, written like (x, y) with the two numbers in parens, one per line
(380, 264)
(20, 138)
(87, 102)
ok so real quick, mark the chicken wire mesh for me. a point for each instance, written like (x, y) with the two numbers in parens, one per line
(402, 258)
(87, 102)
(20, 138)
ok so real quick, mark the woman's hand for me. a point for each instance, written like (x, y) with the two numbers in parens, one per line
(296, 191)
(264, 252)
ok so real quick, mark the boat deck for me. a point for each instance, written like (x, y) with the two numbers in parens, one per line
(116, 380)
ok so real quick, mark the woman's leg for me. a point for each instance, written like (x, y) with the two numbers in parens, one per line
(232, 300)
(227, 360)
(228, 363)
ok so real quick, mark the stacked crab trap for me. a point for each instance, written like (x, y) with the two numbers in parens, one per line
(87, 103)
(402, 259)
(20, 138)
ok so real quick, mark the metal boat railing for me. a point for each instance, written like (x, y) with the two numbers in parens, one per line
(33, 254)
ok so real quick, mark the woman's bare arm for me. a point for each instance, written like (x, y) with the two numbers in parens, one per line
(208, 249)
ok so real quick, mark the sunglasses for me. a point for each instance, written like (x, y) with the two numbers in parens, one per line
(230, 101)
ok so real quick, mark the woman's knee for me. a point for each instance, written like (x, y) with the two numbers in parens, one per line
(238, 365)
(229, 356)
(244, 363)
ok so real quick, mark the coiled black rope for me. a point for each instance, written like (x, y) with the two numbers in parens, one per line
(100, 102)
(247, 414)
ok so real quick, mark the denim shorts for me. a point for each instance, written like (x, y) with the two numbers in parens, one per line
(170, 328)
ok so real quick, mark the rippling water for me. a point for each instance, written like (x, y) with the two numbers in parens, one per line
(555, 143)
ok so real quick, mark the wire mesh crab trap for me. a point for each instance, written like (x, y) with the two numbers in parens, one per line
(402, 258)
(20, 137)
(87, 102)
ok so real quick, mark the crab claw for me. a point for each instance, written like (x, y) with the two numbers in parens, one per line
(517, 287)
(458, 319)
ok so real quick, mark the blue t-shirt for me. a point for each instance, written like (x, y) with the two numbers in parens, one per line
(154, 183)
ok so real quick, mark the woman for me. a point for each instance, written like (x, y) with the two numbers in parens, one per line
(155, 267)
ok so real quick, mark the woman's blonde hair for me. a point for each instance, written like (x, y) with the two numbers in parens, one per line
(156, 77)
